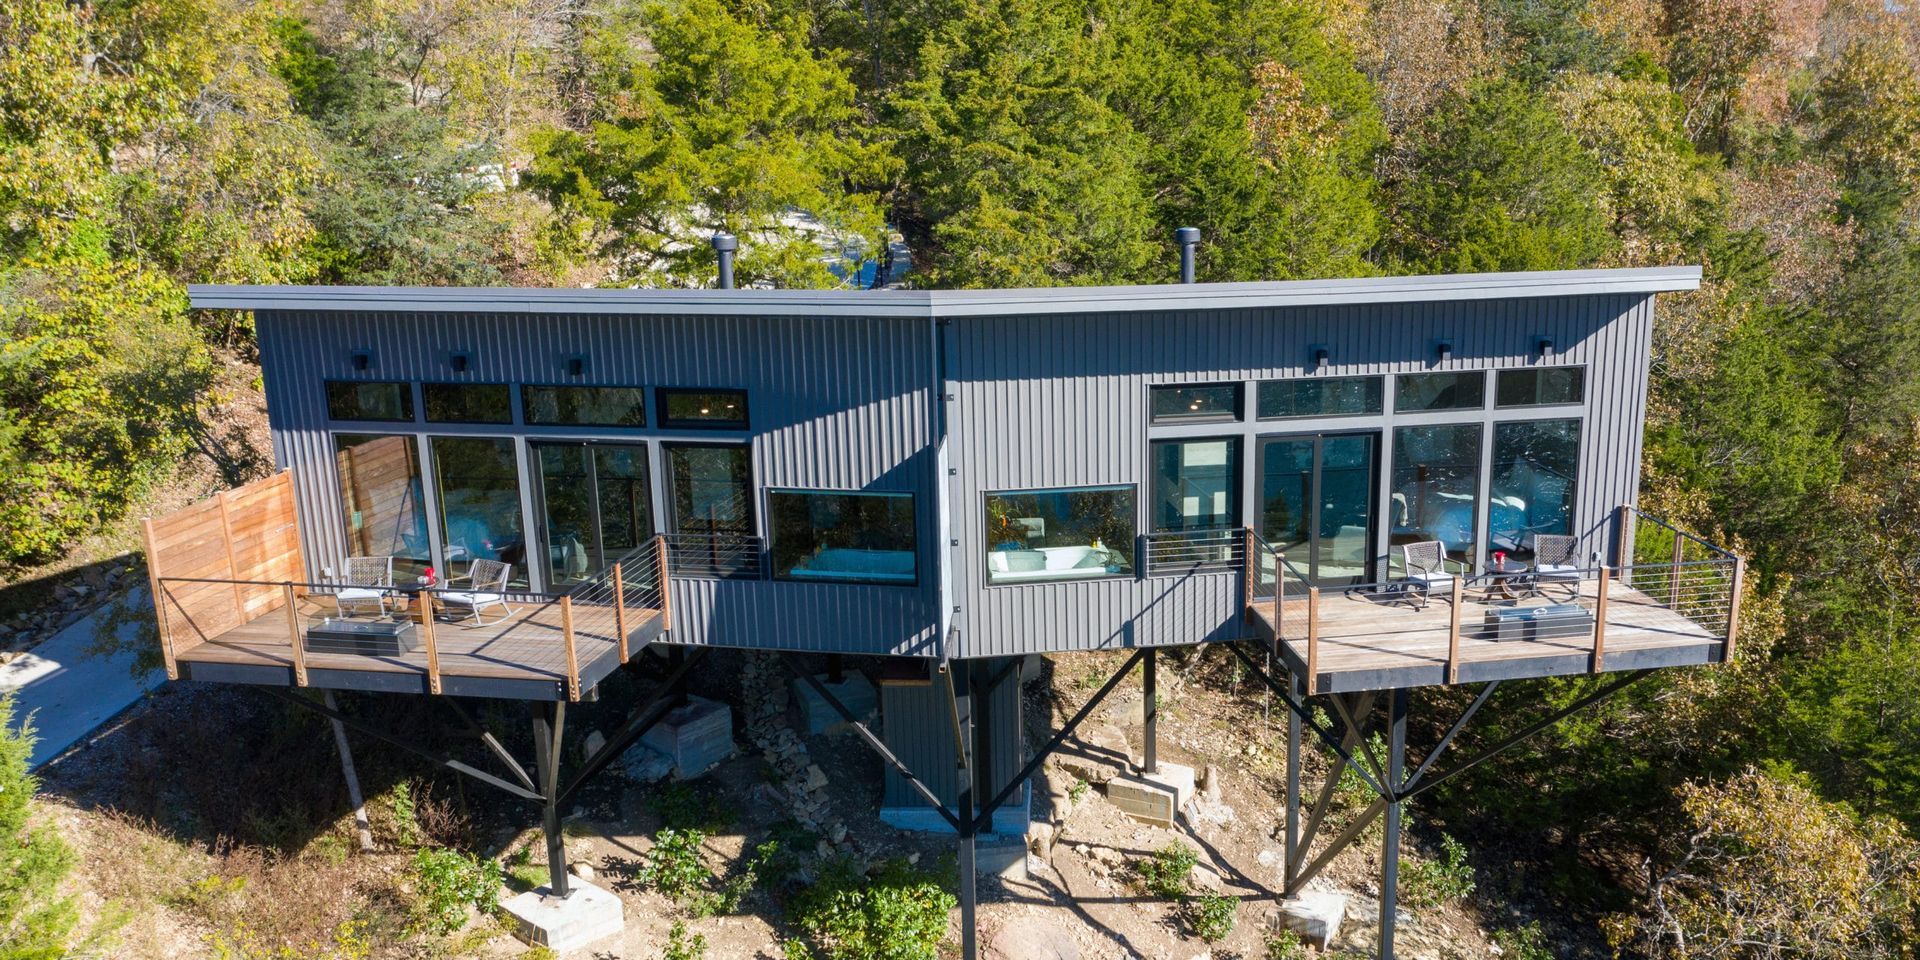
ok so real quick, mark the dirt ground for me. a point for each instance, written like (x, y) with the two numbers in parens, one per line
(202, 785)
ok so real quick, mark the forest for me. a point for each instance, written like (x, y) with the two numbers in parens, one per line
(1769, 808)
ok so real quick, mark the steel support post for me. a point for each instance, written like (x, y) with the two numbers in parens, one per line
(1150, 707)
(962, 677)
(549, 725)
(1291, 854)
(1390, 850)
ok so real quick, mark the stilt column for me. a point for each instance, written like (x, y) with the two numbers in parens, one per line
(1390, 852)
(1150, 716)
(549, 724)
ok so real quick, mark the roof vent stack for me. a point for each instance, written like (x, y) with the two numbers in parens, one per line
(725, 244)
(1186, 237)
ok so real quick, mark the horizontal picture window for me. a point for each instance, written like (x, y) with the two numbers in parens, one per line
(1415, 392)
(1075, 533)
(703, 409)
(467, 402)
(1214, 401)
(1320, 397)
(1539, 388)
(837, 537)
(584, 406)
(388, 400)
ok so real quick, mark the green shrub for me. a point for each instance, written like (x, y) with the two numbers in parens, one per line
(1211, 916)
(691, 806)
(446, 882)
(682, 947)
(673, 866)
(406, 822)
(1078, 791)
(1165, 873)
(899, 913)
(1523, 943)
(37, 920)
(1286, 945)
(1430, 883)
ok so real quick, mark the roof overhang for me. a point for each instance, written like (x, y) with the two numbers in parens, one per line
(952, 303)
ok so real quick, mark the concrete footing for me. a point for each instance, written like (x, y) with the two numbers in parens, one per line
(1155, 798)
(1314, 915)
(853, 691)
(688, 741)
(588, 915)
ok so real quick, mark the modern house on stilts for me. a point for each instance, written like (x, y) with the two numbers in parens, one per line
(1373, 485)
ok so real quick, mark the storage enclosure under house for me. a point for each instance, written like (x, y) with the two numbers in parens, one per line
(1372, 485)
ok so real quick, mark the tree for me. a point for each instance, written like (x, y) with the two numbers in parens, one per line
(1869, 105)
(725, 124)
(35, 922)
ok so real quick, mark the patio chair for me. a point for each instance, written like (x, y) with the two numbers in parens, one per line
(1556, 564)
(364, 584)
(1426, 572)
(486, 582)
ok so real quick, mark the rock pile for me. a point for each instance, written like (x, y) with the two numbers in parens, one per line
(764, 709)
(75, 597)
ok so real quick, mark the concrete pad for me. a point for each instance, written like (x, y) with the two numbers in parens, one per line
(588, 914)
(853, 691)
(1003, 857)
(1314, 915)
(694, 737)
(1179, 777)
(1010, 819)
(71, 691)
(1144, 800)
(1031, 938)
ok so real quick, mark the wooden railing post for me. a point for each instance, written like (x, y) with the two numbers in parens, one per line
(573, 655)
(164, 622)
(1250, 562)
(1453, 633)
(1313, 640)
(1673, 572)
(1733, 607)
(293, 636)
(1624, 513)
(1600, 620)
(426, 637)
(620, 610)
(666, 593)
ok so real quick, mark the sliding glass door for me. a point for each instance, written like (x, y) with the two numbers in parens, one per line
(1316, 503)
(595, 506)
(477, 486)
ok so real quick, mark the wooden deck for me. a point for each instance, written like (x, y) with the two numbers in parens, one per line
(523, 656)
(1373, 642)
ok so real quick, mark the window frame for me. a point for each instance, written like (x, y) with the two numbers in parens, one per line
(1239, 388)
(414, 404)
(1399, 392)
(512, 419)
(986, 553)
(1236, 493)
(1536, 405)
(1379, 380)
(773, 565)
(670, 524)
(666, 421)
(526, 410)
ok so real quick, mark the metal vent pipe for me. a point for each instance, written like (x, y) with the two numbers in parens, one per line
(725, 244)
(1186, 237)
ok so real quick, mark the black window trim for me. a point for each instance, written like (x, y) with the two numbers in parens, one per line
(986, 549)
(415, 406)
(513, 418)
(667, 478)
(1236, 440)
(1486, 397)
(667, 422)
(1498, 373)
(912, 499)
(1379, 378)
(646, 409)
(1239, 403)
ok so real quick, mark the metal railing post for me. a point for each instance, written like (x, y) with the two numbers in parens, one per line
(620, 610)
(573, 655)
(1279, 603)
(293, 636)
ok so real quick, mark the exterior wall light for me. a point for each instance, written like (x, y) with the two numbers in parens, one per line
(1443, 350)
(460, 361)
(362, 359)
(1543, 346)
(1319, 358)
(576, 365)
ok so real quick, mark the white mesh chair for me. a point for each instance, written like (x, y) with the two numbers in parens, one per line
(1556, 563)
(1425, 572)
(486, 582)
(362, 586)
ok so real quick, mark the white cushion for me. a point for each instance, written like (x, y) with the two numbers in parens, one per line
(358, 593)
(464, 599)
(1430, 578)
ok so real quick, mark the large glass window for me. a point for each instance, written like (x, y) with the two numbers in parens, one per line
(584, 406)
(712, 489)
(1214, 401)
(468, 402)
(1535, 463)
(369, 400)
(594, 505)
(1436, 487)
(380, 498)
(703, 409)
(846, 537)
(1540, 387)
(1196, 484)
(1320, 397)
(1414, 392)
(1066, 534)
(477, 481)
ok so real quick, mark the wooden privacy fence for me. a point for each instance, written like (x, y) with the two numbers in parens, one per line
(249, 534)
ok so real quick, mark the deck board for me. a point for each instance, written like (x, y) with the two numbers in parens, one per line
(1379, 643)
(528, 645)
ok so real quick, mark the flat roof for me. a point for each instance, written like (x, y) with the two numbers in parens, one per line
(951, 303)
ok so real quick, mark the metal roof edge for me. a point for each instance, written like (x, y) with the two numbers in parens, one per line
(950, 303)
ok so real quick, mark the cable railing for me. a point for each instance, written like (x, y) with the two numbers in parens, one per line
(715, 556)
(1179, 552)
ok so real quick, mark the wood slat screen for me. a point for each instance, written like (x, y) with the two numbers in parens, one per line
(247, 534)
